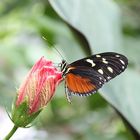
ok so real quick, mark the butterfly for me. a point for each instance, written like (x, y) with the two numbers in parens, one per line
(85, 76)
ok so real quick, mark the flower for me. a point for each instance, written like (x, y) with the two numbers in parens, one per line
(35, 92)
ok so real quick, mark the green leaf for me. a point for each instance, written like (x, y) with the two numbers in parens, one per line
(123, 93)
(99, 22)
(96, 19)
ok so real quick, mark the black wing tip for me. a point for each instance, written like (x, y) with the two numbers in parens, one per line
(118, 55)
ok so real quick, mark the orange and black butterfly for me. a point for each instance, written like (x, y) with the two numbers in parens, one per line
(85, 76)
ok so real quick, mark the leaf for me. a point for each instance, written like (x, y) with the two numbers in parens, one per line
(97, 25)
(99, 22)
(123, 93)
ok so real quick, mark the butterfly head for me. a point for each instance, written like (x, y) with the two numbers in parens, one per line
(63, 66)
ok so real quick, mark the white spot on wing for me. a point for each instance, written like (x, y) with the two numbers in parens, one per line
(98, 55)
(110, 69)
(91, 62)
(100, 78)
(117, 55)
(100, 71)
(122, 62)
(108, 77)
(104, 61)
(123, 67)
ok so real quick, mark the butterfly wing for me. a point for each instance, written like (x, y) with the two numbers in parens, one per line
(108, 64)
(82, 81)
(87, 75)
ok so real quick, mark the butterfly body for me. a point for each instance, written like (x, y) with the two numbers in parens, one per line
(85, 76)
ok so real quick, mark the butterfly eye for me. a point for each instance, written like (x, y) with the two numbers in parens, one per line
(59, 65)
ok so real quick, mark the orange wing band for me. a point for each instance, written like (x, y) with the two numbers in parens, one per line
(78, 84)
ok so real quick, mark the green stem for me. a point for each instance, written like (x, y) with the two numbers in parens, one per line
(11, 133)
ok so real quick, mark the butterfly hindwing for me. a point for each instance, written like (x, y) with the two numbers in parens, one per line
(83, 81)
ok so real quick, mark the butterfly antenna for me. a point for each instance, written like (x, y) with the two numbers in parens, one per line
(50, 44)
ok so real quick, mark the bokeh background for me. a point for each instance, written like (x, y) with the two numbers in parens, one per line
(77, 28)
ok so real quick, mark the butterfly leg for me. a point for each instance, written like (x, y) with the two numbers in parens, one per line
(68, 94)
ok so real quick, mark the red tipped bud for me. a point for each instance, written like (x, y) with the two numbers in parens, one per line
(35, 92)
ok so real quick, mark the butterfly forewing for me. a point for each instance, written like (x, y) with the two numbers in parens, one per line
(108, 64)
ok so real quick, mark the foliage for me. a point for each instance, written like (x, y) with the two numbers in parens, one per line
(77, 29)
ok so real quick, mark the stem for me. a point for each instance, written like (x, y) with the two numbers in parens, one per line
(11, 133)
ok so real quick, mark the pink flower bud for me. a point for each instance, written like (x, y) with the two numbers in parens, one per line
(39, 85)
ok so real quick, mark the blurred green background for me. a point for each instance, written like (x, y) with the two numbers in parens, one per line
(77, 28)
